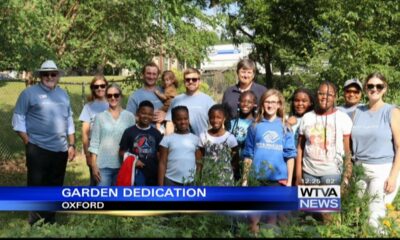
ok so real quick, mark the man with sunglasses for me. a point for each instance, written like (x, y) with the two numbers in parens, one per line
(197, 102)
(352, 96)
(43, 119)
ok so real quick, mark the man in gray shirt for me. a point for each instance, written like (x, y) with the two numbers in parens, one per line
(197, 102)
(43, 120)
(150, 75)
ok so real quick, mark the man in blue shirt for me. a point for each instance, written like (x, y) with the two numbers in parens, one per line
(43, 119)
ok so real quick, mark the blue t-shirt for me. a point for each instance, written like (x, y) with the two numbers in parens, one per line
(181, 163)
(141, 95)
(269, 144)
(198, 106)
(144, 143)
(372, 135)
(46, 114)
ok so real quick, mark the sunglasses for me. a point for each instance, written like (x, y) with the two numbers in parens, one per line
(47, 74)
(379, 87)
(352, 91)
(102, 86)
(191, 79)
(115, 95)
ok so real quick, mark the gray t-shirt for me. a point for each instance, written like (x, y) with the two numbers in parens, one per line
(181, 166)
(372, 135)
(198, 106)
(349, 110)
(141, 95)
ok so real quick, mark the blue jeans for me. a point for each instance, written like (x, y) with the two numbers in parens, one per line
(321, 180)
(108, 176)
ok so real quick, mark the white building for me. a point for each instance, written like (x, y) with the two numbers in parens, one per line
(222, 57)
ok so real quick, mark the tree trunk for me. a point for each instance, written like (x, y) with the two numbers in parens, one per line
(268, 72)
(100, 68)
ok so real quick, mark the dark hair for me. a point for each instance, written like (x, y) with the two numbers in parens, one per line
(150, 64)
(218, 107)
(246, 63)
(375, 75)
(176, 109)
(96, 77)
(328, 83)
(310, 96)
(170, 73)
(145, 103)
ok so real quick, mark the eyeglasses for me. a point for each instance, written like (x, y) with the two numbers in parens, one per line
(352, 91)
(191, 79)
(379, 87)
(115, 95)
(271, 102)
(102, 86)
(47, 74)
(321, 94)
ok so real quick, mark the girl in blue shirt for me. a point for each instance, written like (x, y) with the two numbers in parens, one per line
(247, 108)
(269, 148)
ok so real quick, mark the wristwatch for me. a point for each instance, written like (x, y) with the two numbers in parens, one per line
(71, 145)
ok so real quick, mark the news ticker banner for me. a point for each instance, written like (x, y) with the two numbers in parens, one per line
(303, 198)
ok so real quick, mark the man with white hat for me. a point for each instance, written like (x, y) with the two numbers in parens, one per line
(43, 119)
(352, 96)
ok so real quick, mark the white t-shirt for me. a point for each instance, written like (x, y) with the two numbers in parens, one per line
(323, 153)
(206, 138)
(181, 163)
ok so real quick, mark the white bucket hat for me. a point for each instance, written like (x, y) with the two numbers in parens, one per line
(48, 66)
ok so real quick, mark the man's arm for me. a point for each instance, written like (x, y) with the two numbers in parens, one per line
(19, 126)
(71, 147)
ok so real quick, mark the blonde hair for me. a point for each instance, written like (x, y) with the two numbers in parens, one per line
(281, 110)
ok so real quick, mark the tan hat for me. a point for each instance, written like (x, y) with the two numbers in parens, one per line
(353, 81)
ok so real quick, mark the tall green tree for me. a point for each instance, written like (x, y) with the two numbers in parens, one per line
(360, 37)
(90, 34)
(281, 31)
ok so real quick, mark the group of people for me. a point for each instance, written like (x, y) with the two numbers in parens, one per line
(180, 138)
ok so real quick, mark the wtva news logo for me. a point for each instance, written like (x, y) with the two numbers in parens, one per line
(319, 198)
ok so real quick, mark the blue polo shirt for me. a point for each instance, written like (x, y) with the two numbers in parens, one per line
(48, 116)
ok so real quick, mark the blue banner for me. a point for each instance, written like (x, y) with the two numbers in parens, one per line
(153, 198)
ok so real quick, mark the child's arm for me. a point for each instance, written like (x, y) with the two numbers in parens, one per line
(290, 167)
(246, 169)
(160, 95)
(348, 165)
(199, 160)
(235, 158)
(299, 159)
(162, 165)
